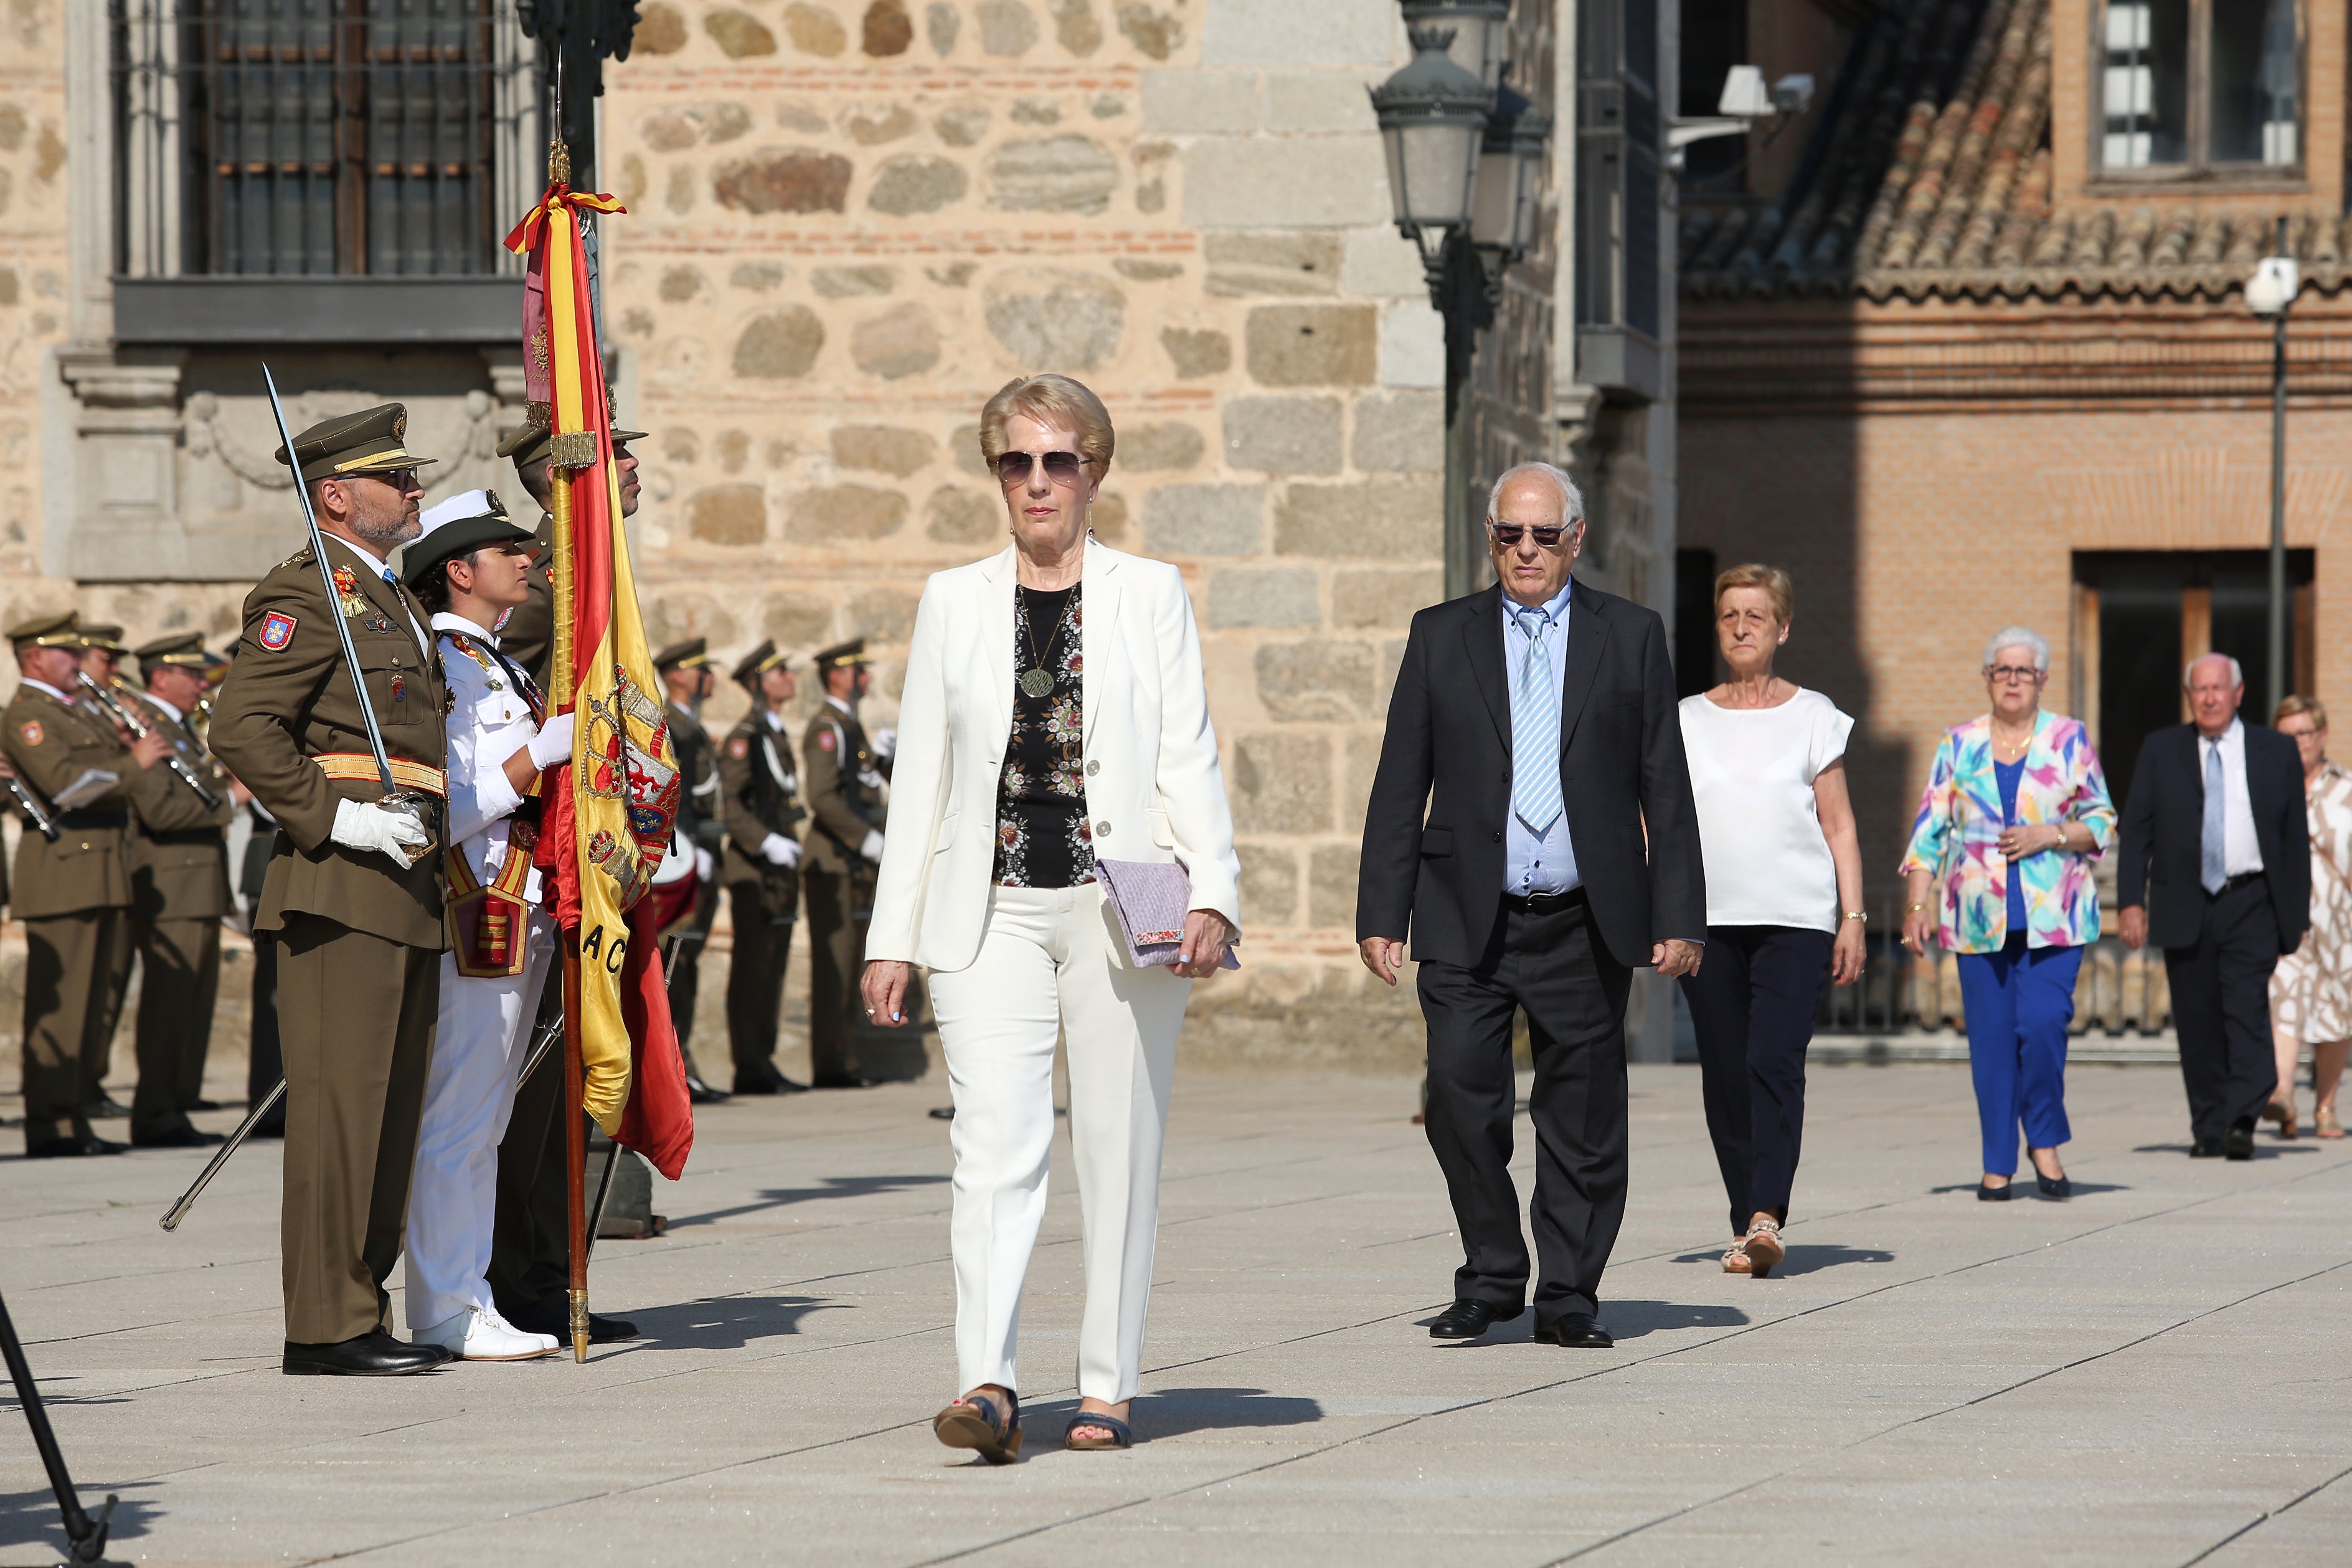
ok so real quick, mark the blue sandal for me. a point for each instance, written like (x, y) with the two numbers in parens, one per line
(971, 1423)
(1120, 1435)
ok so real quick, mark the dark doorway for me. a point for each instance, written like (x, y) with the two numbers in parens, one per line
(1694, 621)
(1714, 39)
(2143, 615)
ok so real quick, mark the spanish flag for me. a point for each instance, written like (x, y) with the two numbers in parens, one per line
(606, 818)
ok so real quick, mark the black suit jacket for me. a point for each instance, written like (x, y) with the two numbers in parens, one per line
(1448, 751)
(2163, 835)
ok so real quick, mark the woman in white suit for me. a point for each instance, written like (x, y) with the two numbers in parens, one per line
(1054, 710)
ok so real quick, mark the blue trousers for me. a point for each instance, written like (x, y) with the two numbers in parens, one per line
(2019, 1001)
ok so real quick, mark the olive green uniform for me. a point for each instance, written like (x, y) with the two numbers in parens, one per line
(74, 896)
(844, 800)
(699, 818)
(758, 788)
(358, 939)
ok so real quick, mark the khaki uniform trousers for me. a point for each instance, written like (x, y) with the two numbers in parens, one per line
(114, 984)
(179, 964)
(65, 984)
(355, 1017)
(836, 949)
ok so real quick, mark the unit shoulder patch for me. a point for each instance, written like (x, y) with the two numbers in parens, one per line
(277, 631)
(738, 748)
(31, 730)
(826, 740)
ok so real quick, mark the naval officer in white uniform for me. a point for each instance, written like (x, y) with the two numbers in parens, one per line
(468, 568)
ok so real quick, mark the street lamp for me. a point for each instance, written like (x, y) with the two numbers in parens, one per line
(1466, 159)
(2270, 293)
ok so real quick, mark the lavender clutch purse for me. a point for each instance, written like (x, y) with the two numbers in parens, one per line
(1152, 900)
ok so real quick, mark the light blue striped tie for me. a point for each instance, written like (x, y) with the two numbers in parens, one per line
(1534, 730)
(2213, 857)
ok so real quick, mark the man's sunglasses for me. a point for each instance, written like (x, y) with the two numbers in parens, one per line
(1061, 468)
(1506, 534)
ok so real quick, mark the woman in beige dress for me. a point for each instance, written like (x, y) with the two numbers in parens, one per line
(2311, 990)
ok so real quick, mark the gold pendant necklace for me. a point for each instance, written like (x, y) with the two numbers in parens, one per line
(1037, 680)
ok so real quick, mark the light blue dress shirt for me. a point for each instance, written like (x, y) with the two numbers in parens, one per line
(1534, 863)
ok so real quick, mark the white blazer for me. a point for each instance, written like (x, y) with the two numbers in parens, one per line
(1155, 790)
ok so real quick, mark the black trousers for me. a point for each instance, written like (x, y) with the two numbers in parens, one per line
(2222, 1009)
(1549, 962)
(1752, 1003)
(531, 1233)
(755, 982)
(686, 970)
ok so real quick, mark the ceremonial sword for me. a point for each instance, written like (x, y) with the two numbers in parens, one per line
(130, 720)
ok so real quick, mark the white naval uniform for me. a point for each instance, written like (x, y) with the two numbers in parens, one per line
(484, 1025)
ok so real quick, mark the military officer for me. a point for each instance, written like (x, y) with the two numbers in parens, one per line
(688, 677)
(527, 634)
(179, 892)
(102, 653)
(74, 895)
(759, 787)
(845, 793)
(354, 891)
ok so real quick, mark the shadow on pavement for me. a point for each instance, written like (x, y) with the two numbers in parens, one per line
(1172, 1413)
(1631, 1319)
(834, 1187)
(726, 1323)
(30, 1518)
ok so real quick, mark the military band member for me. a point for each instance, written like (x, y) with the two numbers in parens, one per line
(102, 659)
(468, 568)
(74, 896)
(759, 786)
(354, 888)
(688, 676)
(846, 781)
(179, 893)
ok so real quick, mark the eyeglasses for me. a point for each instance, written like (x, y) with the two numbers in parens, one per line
(1061, 468)
(1506, 534)
(401, 480)
(2009, 672)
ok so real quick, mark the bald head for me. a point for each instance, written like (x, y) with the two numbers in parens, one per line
(2216, 685)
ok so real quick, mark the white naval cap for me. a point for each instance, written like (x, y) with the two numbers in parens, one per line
(465, 522)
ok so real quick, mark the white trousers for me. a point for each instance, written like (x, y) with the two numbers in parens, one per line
(1052, 961)
(478, 1046)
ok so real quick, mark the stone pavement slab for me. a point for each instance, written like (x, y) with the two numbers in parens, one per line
(2154, 1372)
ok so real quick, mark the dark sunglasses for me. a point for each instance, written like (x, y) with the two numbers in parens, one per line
(1506, 534)
(1061, 468)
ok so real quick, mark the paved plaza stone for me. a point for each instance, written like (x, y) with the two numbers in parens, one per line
(2154, 1372)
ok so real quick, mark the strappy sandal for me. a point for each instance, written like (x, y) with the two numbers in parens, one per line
(1121, 1435)
(1735, 1258)
(1762, 1245)
(2325, 1125)
(971, 1423)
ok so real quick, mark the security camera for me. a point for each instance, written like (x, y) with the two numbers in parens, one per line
(1793, 93)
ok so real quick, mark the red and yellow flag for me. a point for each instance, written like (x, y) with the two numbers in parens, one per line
(607, 816)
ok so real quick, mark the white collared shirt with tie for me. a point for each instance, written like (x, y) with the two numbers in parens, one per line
(1537, 858)
(2241, 854)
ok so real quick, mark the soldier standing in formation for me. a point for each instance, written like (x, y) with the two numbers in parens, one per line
(354, 890)
(179, 894)
(74, 896)
(688, 676)
(102, 663)
(845, 781)
(759, 787)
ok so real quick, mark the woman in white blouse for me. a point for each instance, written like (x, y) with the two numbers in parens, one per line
(1783, 900)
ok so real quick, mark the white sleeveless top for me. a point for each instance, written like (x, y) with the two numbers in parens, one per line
(1752, 772)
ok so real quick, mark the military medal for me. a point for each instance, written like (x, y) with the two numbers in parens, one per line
(399, 689)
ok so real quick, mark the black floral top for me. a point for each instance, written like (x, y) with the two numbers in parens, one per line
(1043, 837)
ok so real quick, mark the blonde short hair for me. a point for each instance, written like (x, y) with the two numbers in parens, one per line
(1771, 579)
(2294, 703)
(1049, 400)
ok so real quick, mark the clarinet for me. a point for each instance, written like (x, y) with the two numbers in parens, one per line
(34, 812)
(129, 722)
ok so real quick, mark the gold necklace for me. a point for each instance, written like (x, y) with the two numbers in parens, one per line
(1037, 680)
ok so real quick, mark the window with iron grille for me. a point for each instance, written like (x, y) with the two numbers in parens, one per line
(380, 138)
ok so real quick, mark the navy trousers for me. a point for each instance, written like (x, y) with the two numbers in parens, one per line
(1752, 1003)
(2019, 1002)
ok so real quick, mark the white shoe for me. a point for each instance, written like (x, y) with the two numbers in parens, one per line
(472, 1335)
(550, 1340)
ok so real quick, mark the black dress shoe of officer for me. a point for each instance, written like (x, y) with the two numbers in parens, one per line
(2238, 1142)
(369, 1356)
(842, 1080)
(74, 1149)
(105, 1108)
(602, 1330)
(1468, 1320)
(769, 1082)
(701, 1093)
(1577, 1331)
(2205, 1149)
(202, 1105)
(178, 1137)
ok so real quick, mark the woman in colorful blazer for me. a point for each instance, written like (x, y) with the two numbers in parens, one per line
(2015, 811)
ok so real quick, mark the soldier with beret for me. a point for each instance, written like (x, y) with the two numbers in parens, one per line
(73, 895)
(355, 891)
(846, 777)
(688, 676)
(759, 786)
(179, 893)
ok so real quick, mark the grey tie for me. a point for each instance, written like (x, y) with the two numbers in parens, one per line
(2212, 858)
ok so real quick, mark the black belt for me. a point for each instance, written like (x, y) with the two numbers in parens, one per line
(80, 821)
(1546, 903)
(186, 835)
(2234, 883)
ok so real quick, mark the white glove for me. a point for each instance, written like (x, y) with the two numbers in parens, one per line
(366, 826)
(886, 743)
(551, 747)
(871, 848)
(705, 866)
(779, 850)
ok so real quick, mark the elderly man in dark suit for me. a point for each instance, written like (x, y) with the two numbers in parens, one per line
(2215, 838)
(1534, 725)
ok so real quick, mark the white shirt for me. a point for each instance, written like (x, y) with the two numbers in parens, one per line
(488, 721)
(44, 686)
(1534, 863)
(1759, 827)
(173, 714)
(2239, 851)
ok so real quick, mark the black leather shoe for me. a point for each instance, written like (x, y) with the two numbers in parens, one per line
(773, 1082)
(1468, 1320)
(369, 1355)
(202, 1105)
(701, 1093)
(2057, 1188)
(602, 1330)
(75, 1149)
(2205, 1149)
(1987, 1193)
(105, 1108)
(2238, 1142)
(178, 1137)
(1577, 1331)
(842, 1080)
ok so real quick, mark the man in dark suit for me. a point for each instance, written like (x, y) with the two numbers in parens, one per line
(1535, 723)
(2215, 822)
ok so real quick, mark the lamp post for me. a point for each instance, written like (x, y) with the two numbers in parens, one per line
(2270, 293)
(1465, 165)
